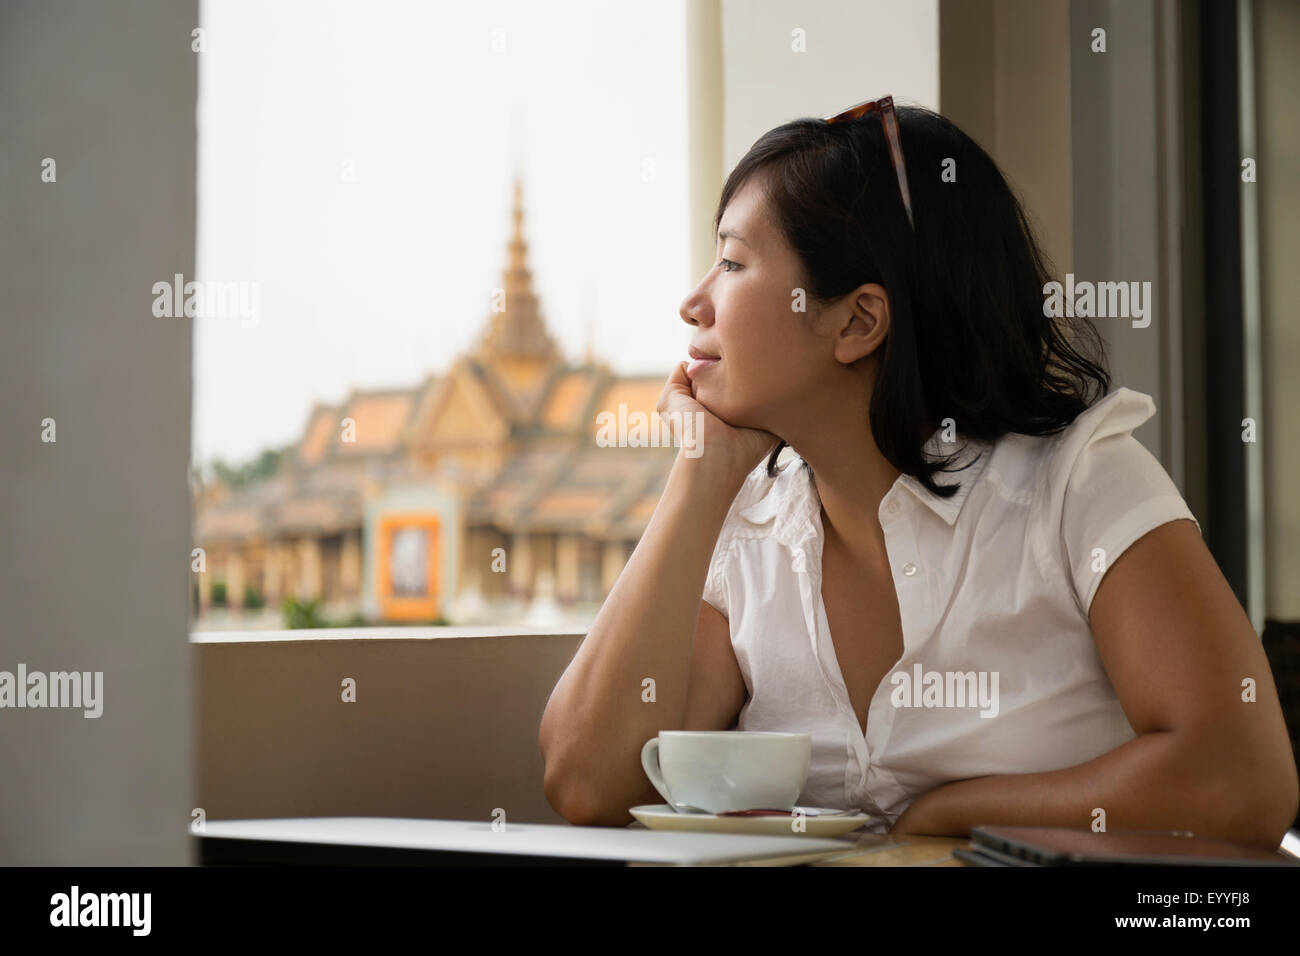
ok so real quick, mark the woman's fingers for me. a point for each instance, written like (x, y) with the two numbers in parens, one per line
(677, 382)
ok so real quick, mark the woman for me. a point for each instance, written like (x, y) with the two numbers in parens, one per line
(1039, 638)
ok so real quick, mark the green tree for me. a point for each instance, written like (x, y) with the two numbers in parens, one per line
(302, 614)
(263, 466)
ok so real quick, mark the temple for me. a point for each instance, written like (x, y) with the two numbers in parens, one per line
(477, 496)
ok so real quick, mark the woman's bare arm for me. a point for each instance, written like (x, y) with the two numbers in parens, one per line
(598, 719)
(1212, 753)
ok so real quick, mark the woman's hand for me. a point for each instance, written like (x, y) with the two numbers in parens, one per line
(743, 448)
(926, 815)
(911, 821)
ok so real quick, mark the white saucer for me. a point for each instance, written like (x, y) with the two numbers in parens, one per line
(663, 817)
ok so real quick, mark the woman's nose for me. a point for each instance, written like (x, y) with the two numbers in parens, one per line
(693, 308)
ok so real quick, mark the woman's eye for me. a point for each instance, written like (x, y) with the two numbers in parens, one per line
(730, 263)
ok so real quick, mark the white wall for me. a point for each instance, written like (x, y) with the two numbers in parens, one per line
(854, 52)
(744, 78)
(95, 527)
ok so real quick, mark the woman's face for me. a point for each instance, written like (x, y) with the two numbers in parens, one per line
(772, 363)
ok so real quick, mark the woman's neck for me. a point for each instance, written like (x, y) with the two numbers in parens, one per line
(851, 479)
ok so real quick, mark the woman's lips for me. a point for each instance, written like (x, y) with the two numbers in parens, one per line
(699, 364)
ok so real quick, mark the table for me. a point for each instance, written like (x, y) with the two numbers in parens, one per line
(881, 849)
(382, 841)
(873, 849)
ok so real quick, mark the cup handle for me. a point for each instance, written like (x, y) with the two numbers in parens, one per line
(650, 764)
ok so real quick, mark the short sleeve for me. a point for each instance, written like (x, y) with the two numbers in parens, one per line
(715, 585)
(755, 486)
(1113, 491)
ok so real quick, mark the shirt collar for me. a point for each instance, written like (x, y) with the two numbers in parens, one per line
(793, 504)
(966, 451)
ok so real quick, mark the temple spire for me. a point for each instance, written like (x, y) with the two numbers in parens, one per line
(518, 331)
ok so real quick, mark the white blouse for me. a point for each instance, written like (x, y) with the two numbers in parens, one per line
(994, 586)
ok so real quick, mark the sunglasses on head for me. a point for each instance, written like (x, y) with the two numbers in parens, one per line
(889, 120)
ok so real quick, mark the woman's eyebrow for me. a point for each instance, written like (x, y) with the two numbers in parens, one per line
(731, 234)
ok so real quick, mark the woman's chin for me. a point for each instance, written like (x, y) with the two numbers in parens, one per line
(708, 397)
(726, 412)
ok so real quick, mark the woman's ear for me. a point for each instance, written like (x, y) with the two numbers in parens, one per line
(863, 323)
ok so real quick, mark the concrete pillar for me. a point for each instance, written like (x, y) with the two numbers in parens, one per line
(217, 558)
(204, 579)
(1277, 32)
(235, 578)
(274, 578)
(543, 552)
(288, 569)
(1004, 78)
(611, 565)
(519, 563)
(566, 567)
(477, 562)
(109, 92)
(495, 583)
(350, 566)
(309, 569)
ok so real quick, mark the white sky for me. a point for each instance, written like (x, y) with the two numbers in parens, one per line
(377, 282)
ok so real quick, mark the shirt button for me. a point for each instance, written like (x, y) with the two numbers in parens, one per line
(909, 569)
(892, 507)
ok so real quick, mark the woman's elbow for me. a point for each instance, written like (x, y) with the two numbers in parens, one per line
(578, 804)
(1260, 802)
(1278, 807)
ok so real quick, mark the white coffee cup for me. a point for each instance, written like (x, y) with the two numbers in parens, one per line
(721, 770)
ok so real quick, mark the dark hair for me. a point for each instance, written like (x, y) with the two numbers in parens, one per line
(968, 339)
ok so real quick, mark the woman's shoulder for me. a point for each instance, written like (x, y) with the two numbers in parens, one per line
(1107, 489)
(763, 498)
(1114, 416)
(1095, 465)
(1043, 472)
(1049, 457)
(1120, 411)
